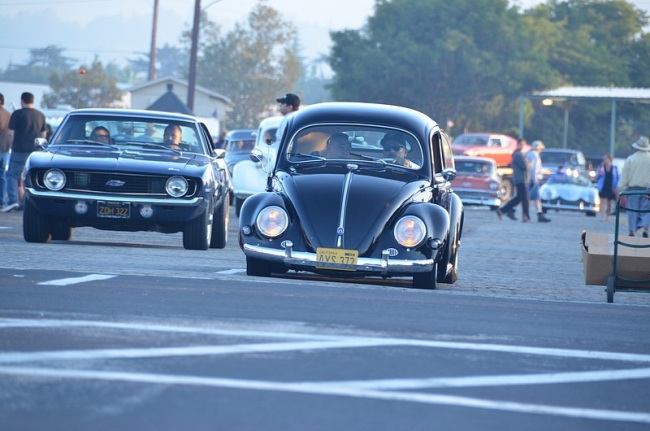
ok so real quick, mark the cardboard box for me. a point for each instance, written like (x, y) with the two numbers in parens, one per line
(597, 259)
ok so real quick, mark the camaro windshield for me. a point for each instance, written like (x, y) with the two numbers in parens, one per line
(124, 132)
(355, 142)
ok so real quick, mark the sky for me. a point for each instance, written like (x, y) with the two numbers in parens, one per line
(117, 30)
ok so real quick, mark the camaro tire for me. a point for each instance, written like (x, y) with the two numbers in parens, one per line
(36, 227)
(220, 224)
(198, 232)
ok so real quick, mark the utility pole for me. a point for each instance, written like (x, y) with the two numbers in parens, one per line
(191, 84)
(152, 53)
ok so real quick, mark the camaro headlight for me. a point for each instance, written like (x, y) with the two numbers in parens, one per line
(176, 186)
(410, 231)
(272, 221)
(54, 179)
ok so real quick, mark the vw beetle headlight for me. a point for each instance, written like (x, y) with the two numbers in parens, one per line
(410, 231)
(54, 179)
(272, 221)
(176, 186)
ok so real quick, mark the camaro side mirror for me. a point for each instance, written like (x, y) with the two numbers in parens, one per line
(40, 143)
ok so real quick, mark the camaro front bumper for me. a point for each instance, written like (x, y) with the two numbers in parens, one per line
(383, 266)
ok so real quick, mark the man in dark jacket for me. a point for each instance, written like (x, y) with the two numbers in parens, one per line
(26, 124)
(520, 179)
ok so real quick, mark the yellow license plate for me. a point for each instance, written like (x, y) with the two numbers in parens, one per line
(336, 258)
(113, 209)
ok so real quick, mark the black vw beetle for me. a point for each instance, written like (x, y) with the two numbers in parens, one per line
(358, 190)
(128, 170)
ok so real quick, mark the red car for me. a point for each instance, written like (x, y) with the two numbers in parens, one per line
(493, 145)
(477, 181)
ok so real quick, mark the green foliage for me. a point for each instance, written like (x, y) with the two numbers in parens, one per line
(92, 89)
(470, 60)
(41, 64)
(252, 64)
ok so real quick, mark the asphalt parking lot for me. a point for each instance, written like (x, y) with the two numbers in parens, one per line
(498, 258)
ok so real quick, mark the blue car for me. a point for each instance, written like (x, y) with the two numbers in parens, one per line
(119, 170)
(357, 190)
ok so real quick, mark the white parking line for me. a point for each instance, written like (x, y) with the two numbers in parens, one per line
(76, 280)
(385, 389)
(319, 389)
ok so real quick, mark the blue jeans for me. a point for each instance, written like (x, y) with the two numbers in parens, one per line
(16, 167)
(4, 162)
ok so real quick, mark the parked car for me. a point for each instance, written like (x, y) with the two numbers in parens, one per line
(130, 181)
(477, 181)
(249, 176)
(365, 213)
(496, 146)
(238, 145)
(570, 192)
(573, 161)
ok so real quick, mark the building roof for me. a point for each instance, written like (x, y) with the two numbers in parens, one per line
(169, 102)
(182, 83)
(596, 93)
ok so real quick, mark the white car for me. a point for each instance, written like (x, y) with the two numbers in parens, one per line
(250, 176)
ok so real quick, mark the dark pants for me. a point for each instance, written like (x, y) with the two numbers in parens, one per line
(520, 197)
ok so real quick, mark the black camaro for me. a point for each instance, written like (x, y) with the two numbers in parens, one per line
(128, 170)
(357, 190)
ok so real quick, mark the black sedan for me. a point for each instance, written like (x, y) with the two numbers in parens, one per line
(357, 190)
(128, 170)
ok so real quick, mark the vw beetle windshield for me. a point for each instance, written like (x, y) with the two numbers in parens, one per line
(361, 143)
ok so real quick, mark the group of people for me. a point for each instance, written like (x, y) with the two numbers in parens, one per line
(526, 178)
(635, 175)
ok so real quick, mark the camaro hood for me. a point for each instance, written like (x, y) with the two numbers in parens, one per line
(361, 202)
(107, 159)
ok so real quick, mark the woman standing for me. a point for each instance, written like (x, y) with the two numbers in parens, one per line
(607, 185)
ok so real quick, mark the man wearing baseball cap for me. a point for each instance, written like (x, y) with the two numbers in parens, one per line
(636, 176)
(289, 103)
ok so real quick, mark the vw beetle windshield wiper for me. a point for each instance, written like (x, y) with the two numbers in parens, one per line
(374, 159)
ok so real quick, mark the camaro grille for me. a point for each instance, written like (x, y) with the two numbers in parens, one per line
(117, 183)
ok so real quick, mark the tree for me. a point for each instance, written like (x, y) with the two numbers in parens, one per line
(252, 64)
(170, 61)
(41, 64)
(463, 60)
(86, 88)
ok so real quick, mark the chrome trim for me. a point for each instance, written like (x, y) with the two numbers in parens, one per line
(340, 231)
(382, 266)
(90, 198)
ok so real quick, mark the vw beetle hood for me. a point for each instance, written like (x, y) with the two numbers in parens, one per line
(117, 160)
(371, 203)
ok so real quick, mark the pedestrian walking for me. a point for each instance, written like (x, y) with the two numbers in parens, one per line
(5, 147)
(636, 176)
(26, 124)
(607, 178)
(520, 180)
(536, 175)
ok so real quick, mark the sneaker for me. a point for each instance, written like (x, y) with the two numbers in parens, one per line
(511, 215)
(499, 214)
(10, 207)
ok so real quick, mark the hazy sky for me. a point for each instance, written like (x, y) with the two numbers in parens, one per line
(116, 30)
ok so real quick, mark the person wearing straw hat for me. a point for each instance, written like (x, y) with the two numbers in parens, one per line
(636, 176)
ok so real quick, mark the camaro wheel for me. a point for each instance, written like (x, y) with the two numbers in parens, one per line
(198, 232)
(61, 232)
(426, 280)
(36, 227)
(256, 267)
(220, 224)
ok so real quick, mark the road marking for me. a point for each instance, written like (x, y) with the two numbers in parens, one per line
(319, 389)
(76, 280)
(384, 389)
(231, 271)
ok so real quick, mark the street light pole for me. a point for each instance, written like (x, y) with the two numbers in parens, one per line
(191, 83)
(152, 53)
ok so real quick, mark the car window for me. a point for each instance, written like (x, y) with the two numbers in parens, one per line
(474, 141)
(358, 142)
(127, 132)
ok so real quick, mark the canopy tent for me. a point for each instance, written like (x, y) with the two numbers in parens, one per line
(564, 94)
